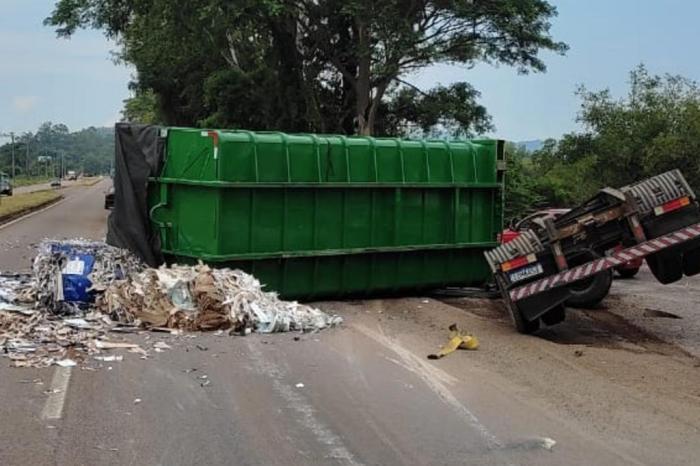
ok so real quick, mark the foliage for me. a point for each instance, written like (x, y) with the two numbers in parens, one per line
(520, 184)
(89, 150)
(312, 65)
(655, 128)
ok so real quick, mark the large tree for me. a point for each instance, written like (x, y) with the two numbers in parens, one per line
(323, 65)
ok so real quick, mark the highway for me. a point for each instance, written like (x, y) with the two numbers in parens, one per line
(363, 393)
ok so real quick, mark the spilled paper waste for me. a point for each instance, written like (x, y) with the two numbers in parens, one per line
(201, 298)
(81, 291)
(69, 274)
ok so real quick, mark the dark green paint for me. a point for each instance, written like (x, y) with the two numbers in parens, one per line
(330, 216)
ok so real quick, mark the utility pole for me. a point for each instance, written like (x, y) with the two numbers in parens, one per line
(12, 137)
(26, 157)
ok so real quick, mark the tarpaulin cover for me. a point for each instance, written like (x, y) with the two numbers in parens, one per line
(138, 155)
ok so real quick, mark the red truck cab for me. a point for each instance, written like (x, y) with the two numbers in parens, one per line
(626, 270)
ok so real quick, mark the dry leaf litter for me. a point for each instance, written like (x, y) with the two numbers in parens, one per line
(80, 293)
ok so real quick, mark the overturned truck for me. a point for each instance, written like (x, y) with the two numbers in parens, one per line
(311, 216)
(538, 272)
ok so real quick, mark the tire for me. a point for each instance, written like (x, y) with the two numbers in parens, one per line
(522, 325)
(666, 267)
(591, 291)
(627, 273)
(554, 316)
(691, 262)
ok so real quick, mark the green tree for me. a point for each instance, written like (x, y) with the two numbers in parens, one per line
(328, 65)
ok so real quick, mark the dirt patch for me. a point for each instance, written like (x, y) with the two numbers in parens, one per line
(596, 372)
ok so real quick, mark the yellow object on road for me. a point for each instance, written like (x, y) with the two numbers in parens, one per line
(458, 340)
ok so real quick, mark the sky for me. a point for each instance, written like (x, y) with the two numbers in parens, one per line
(76, 82)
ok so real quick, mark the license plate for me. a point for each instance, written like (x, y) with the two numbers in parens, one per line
(525, 272)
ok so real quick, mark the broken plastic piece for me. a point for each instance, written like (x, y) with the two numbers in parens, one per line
(458, 340)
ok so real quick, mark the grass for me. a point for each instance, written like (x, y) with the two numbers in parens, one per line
(89, 181)
(26, 181)
(11, 206)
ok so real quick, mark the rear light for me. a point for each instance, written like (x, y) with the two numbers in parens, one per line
(672, 205)
(518, 262)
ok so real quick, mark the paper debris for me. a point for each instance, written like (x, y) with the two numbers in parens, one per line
(66, 363)
(112, 358)
(103, 344)
(201, 298)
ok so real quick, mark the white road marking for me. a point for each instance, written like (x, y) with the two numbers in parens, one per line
(436, 379)
(53, 408)
(298, 402)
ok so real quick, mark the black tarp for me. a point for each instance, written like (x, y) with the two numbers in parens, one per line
(138, 155)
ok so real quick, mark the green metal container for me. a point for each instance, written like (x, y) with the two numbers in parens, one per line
(331, 216)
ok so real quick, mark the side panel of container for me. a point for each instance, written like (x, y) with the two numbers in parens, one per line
(319, 217)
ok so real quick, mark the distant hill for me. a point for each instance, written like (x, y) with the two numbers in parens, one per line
(531, 146)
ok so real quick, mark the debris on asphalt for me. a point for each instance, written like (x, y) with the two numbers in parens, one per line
(162, 345)
(137, 401)
(66, 363)
(81, 291)
(67, 275)
(111, 358)
(300, 385)
(205, 299)
(457, 340)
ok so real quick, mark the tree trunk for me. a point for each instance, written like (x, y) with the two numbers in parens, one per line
(362, 84)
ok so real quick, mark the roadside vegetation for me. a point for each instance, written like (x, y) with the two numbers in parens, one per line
(654, 128)
(11, 206)
(38, 155)
(29, 180)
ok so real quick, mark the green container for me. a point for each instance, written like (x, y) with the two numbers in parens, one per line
(331, 216)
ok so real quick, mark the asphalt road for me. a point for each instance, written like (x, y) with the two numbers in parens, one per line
(363, 393)
(80, 214)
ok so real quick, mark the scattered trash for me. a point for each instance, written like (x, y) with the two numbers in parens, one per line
(205, 383)
(162, 345)
(300, 385)
(77, 323)
(66, 363)
(458, 340)
(68, 274)
(80, 291)
(112, 358)
(578, 353)
(201, 298)
(104, 344)
(137, 401)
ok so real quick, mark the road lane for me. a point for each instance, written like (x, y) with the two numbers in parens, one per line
(80, 214)
(363, 393)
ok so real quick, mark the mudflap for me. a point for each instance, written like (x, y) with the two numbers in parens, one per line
(670, 265)
(526, 313)
(533, 307)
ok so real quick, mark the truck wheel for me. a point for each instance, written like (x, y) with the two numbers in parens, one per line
(521, 324)
(691, 262)
(627, 273)
(554, 316)
(666, 267)
(590, 291)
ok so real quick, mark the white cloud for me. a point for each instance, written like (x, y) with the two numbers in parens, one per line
(24, 103)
